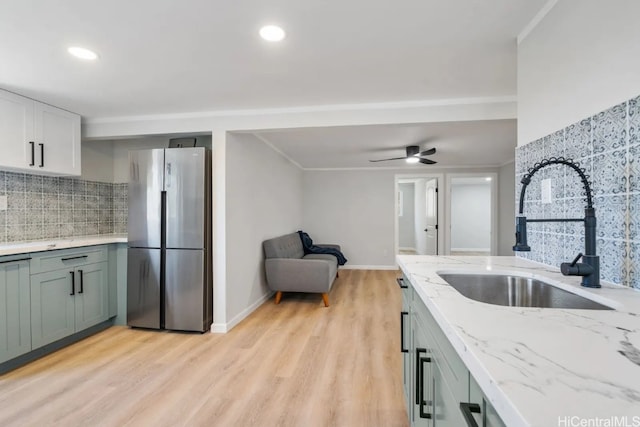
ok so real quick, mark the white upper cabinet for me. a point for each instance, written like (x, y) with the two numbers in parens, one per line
(38, 138)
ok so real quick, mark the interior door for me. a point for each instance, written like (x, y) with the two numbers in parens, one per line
(431, 229)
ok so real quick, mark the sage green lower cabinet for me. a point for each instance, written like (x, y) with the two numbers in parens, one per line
(15, 308)
(66, 301)
(439, 389)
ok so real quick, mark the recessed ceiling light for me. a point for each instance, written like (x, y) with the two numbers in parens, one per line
(412, 159)
(272, 33)
(488, 178)
(82, 53)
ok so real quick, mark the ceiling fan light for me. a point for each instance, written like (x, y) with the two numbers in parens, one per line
(412, 160)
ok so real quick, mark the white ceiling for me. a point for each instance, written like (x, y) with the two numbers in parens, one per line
(458, 144)
(168, 56)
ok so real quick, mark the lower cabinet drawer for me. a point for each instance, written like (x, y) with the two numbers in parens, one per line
(67, 258)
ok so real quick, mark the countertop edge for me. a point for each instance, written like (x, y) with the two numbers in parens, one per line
(18, 248)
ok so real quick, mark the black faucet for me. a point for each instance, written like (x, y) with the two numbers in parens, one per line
(589, 268)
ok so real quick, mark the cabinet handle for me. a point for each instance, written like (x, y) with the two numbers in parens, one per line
(402, 349)
(33, 153)
(400, 281)
(73, 284)
(423, 402)
(15, 260)
(75, 257)
(418, 374)
(81, 281)
(41, 155)
(468, 409)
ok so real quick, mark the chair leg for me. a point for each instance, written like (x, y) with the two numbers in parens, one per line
(325, 298)
(337, 273)
(278, 297)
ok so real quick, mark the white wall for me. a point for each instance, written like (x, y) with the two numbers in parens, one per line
(582, 58)
(506, 209)
(470, 216)
(121, 153)
(263, 200)
(97, 161)
(406, 226)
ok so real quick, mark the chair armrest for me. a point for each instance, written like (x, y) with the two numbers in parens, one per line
(299, 275)
(325, 245)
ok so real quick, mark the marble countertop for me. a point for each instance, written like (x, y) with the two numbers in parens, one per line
(71, 242)
(539, 366)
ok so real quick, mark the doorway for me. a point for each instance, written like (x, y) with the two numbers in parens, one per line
(472, 214)
(418, 207)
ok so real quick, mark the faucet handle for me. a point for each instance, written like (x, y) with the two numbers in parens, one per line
(576, 259)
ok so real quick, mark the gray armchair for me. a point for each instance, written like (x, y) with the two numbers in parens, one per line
(288, 269)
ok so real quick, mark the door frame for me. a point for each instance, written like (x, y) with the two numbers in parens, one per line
(441, 211)
(494, 207)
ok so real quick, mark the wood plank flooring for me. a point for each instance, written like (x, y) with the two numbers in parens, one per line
(293, 364)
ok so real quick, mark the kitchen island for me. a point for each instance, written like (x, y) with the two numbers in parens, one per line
(538, 366)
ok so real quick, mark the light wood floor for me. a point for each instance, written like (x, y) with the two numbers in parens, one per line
(294, 364)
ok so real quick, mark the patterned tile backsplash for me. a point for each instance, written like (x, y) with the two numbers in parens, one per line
(43, 207)
(607, 147)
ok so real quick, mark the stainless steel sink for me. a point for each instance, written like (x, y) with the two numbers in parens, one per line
(517, 291)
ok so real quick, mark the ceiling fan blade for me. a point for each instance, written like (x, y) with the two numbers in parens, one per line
(428, 161)
(428, 152)
(384, 160)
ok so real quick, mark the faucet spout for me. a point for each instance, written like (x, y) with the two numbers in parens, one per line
(589, 269)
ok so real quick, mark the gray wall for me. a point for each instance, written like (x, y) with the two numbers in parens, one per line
(506, 210)
(264, 200)
(470, 216)
(406, 222)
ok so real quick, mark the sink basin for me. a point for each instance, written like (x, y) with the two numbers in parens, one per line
(517, 291)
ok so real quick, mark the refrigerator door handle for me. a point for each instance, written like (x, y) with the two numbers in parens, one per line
(168, 175)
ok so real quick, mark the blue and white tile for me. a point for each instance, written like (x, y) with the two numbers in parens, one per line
(634, 265)
(611, 214)
(3, 186)
(578, 140)
(610, 129)
(573, 186)
(573, 245)
(553, 250)
(634, 121)
(536, 242)
(521, 160)
(634, 218)
(33, 183)
(555, 210)
(535, 153)
(612, 260)
(554, 145)
(15, 182)
(65, 185)
(610, 173)
(556, 174)
(50, 185)
(634, 168)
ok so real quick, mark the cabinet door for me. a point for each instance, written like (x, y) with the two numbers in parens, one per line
(15, 310)
(52, 306)
(446, 405)
(57, 137)
(92, 295)
(16, 130)
(488, 417)
(422, 369)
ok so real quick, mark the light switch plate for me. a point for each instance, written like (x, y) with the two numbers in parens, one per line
(546, 190)
(3, 203)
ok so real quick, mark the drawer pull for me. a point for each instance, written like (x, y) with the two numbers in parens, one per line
(423, 402)
(81, 282)
(15, 260)
(33, 153)
(73, 284)
(41, 155)
(400, 281)
(75, 257)
(402, 349)
(418, 374)
(468, 409)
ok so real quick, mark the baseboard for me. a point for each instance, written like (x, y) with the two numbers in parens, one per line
(223, 328)
(369, 267)
(470, 249)
(407, 249)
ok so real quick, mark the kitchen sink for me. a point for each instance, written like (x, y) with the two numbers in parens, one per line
(517, 291)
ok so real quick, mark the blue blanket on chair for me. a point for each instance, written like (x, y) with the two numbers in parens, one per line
(310, 248)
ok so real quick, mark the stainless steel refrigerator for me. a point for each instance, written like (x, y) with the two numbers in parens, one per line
(169, 272)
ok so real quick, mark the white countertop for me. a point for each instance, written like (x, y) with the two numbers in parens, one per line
(539, 365)
(71, 242)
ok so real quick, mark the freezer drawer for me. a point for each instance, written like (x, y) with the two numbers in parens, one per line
(143, 288)
(186, 290)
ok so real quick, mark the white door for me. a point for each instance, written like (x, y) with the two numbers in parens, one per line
(431, 228)
(16, 130)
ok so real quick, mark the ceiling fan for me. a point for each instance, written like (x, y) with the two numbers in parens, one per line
(414, 156)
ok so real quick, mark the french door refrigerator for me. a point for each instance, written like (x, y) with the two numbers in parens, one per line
(169, 272)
